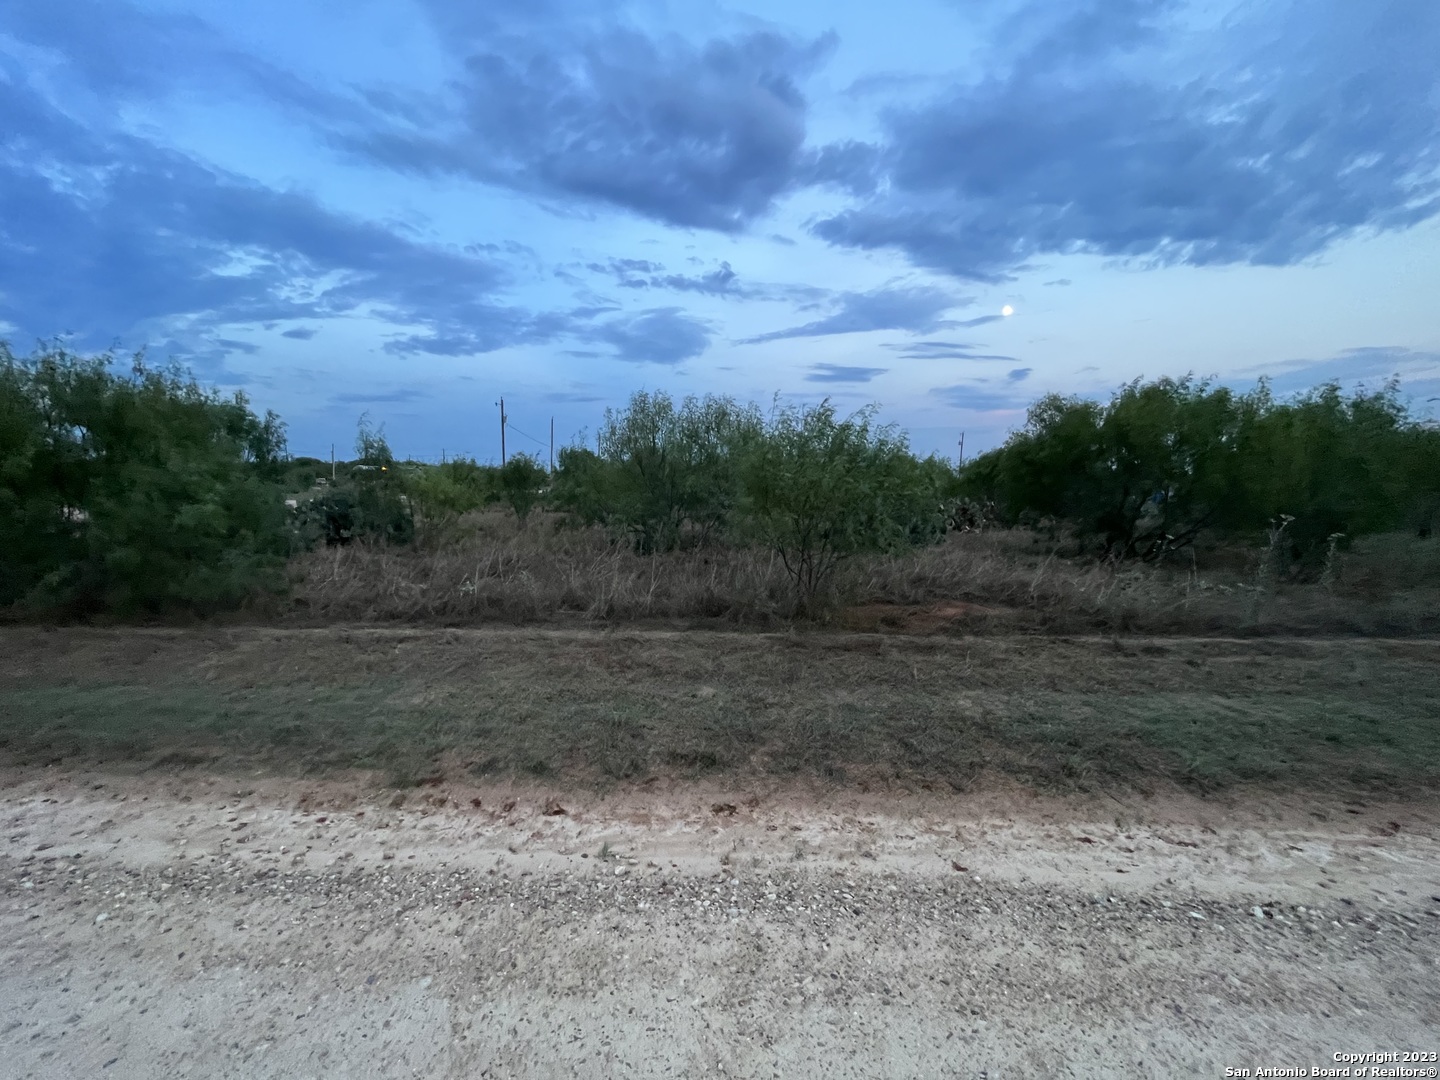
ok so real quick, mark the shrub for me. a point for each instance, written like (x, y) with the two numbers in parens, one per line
(133, 494)
(661, 468)
(521, 479)
(370, 503)
(818, 489)
(440, 494)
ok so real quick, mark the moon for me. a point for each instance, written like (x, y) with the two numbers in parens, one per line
(1007, 311)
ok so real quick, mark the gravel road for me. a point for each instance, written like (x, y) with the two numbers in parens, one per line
(191, 927)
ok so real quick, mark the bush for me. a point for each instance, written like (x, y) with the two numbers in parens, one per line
(521, 479)
(440, 494)
(581, 486)
(370, 503)
(136, 494)
(661, 468)
(818, 490)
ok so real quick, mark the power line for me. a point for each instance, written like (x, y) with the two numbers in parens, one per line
(532, 438)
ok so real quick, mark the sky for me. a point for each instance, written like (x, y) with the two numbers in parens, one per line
(409, 209)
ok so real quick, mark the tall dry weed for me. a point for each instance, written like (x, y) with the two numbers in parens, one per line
(492, 568)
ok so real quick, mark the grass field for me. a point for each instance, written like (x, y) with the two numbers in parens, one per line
(605, 707)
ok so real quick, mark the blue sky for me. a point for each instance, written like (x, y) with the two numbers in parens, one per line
(413, 207)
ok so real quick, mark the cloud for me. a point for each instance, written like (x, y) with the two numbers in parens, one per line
(974, 398)
(1291, 127)
(1085, 33)
(1370, 365)
(641, 274)
(693, 135)
(623, 268)
(300, 333)
(378, 397)
(106, 233)
(917, 308)
(716, 283)
(116, 52)
(721, 282)
(1019, 375)
(883, 83)
(656, 336)
(249, 348)
(836, 373)
(1058, 281)
(943, 350)
(850, 166)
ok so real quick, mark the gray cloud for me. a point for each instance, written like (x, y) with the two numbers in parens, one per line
(378, 397)
(943, 350)
(656, 336)
(695, 136)
(300, 333)
(917, 308)
(1371, 364)
(1317, 126)
(721, 282)
(144, 247)
(837, 373)
(978, 398)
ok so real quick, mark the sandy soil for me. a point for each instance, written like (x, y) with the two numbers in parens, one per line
(206, 927)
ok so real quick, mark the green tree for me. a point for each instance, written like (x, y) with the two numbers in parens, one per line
(818, 489)
(370, 501)
(666, 467)
(1162, 461)
(583, 486)
(133, 494)
(439, 494)
(521, 479)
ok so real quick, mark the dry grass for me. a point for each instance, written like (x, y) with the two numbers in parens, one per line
(499, 569)
(495, 569)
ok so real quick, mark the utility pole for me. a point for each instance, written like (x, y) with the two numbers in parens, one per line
(962, 448)
(502, 431)
(552, 446)
(332, 462)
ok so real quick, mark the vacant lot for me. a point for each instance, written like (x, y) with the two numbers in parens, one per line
(694, 853)
(598, 708)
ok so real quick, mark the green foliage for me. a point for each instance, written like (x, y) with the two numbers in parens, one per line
(663, 467)
(301, 473)
(1147, 472)
(1359, 466)
(582, 486)
(439, 494)
(370, 503)
(521, 479)
(133, 494)
(818, 489)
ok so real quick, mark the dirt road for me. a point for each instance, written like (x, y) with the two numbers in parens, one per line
(207, 927)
